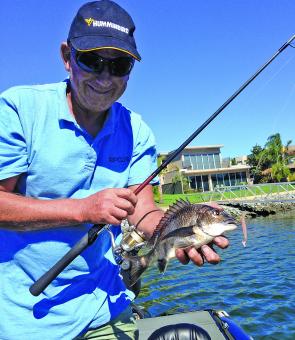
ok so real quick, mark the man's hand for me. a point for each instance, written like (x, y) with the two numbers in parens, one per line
(109, 206)
(206, 252)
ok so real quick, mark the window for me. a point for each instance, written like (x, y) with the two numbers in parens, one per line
(243, 177)
(192, 180)
(205, 183)
(217, 160)
(220, 179)
(206, 161)
(226, 179)
(211, 161)
(187, 162)
(232, 178)
(199, 185)
(214, 180)
(194, 162)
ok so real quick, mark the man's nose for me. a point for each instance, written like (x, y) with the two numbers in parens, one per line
(104, 78)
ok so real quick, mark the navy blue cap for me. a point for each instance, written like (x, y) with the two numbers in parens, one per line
(103, 24)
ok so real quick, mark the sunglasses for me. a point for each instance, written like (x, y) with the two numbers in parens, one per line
(93, 63)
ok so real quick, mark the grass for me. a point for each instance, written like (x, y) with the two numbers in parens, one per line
(227, 193)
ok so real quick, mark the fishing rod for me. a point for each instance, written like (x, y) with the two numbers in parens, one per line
(94, 231)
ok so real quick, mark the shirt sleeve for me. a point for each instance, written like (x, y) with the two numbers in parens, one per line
(144, 158)
(13, 149)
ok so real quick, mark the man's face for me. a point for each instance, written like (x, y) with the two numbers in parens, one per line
(96, 92)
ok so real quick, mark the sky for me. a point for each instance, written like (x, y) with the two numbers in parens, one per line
(195, 55)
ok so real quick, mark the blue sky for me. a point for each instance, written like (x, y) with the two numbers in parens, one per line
(195, 54)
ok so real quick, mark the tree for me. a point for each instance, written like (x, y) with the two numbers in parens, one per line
(275, 154)
(233, 161)
(180, 177)
(255, 160)
(269, 164)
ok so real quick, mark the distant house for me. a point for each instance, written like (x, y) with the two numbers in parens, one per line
(291, 153)
(241, 160)
(204, 168)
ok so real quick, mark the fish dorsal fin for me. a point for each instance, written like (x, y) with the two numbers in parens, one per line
(170, 212)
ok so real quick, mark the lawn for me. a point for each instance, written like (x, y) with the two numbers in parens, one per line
(239, 192)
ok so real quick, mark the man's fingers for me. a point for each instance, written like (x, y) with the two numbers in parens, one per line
(196, 257)
(182, 256)
(221, 242)
(210, 255)
(128, 195)
(125, 205)
(185, 255)
(206, 252)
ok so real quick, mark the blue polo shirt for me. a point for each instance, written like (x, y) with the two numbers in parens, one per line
(56, 158)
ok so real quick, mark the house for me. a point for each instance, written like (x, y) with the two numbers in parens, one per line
(291, 153)
(204, 168)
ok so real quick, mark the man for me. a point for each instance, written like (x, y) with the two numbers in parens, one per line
(70, 157)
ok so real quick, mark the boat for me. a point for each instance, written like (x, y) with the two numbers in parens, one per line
(198, 325)
(209, 324)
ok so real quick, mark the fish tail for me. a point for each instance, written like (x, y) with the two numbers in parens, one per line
(136, 266)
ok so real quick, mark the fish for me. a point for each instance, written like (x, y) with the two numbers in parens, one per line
(183, 225)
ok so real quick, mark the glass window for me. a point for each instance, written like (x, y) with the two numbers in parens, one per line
(220, 179)
(186, 161)
(199, 183)
(192, 182)
(194, 162)
(214, 180)
(243, 177)
(238, 178)
(205, 183)
(226, 179)
(206, 161)
(217, 160)
(232, 178)
(211, 161)
(199, 162)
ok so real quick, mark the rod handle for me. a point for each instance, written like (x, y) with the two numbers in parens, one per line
(42, 283)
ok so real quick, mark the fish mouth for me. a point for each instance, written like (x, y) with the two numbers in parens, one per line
(231, 224)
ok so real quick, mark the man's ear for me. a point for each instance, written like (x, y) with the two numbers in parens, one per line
(65, 52)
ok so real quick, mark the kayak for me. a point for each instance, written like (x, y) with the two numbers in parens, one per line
(197, 325)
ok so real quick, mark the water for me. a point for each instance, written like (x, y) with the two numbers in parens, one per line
(255, 285)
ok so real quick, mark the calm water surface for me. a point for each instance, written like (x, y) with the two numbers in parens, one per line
(255, 285)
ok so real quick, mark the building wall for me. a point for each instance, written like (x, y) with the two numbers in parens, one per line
(205, 170)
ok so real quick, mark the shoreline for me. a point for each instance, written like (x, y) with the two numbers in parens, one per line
(255, 208)
(258, 208)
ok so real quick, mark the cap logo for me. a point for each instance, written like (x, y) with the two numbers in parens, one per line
(99, 23)
(89, 21)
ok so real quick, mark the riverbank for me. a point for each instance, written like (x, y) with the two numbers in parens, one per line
(254, 208)
(258, 208)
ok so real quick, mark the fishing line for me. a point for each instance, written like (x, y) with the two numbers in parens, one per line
(263, 86)
(144, 216)
(283, 108)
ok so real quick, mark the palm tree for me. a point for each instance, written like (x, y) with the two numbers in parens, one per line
(276, 156)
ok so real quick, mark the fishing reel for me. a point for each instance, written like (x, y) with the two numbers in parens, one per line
(132, 241)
